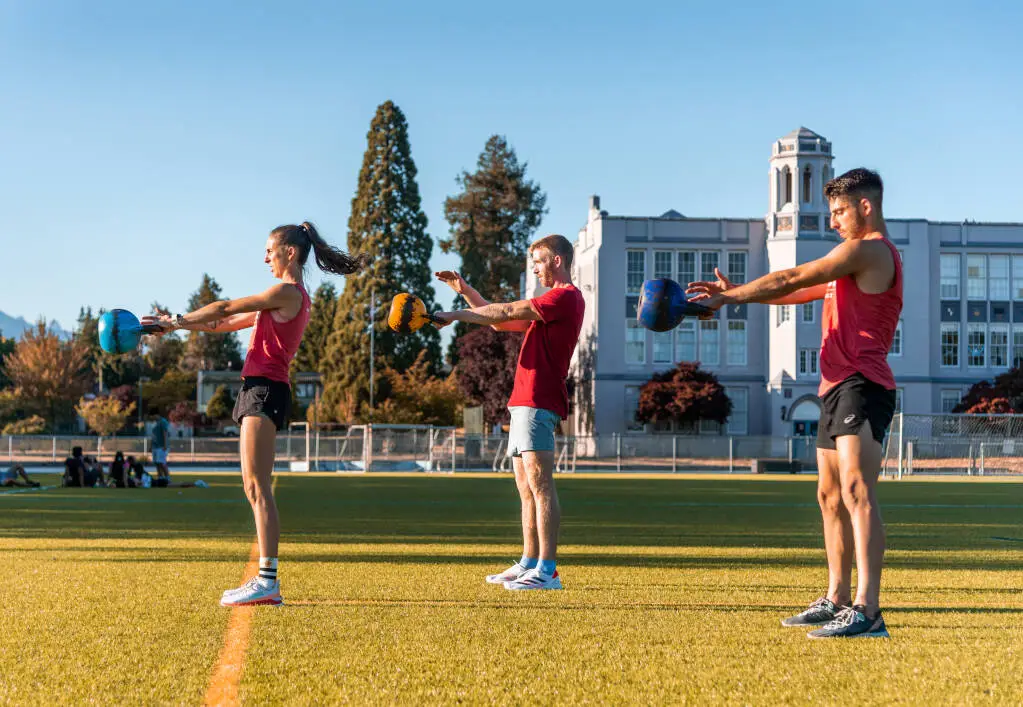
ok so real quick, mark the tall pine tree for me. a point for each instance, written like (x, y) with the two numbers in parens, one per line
(321, 322)
(205, 351)
(493, 220)
(387, 222)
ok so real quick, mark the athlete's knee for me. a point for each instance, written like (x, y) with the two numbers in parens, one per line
(856, 492)
(829, 498)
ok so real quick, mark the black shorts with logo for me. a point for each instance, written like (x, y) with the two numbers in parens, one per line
(849, 404)
(262, 396)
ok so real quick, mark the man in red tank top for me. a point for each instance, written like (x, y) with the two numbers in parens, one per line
(539, 399)
(860, 281)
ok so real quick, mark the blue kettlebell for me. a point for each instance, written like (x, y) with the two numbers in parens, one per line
(120, 331)
(663, 305)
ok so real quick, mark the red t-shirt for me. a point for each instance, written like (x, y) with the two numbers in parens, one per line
(547, 351)
(858, 328)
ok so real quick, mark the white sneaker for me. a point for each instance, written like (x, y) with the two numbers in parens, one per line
(534, 579)
(254, 593)
(509, 575)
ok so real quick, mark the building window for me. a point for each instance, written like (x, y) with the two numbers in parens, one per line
(1017, 277)
(736, 355)
(685, 341)
(686, 267)
(708, 262)
(949, 400)
(738, 422)
(808, 362)
(631, 408)
(1017, 347)
(976, 277)
(807, 312)
(635, 342)
(709, 343)
(737, 267)
(783, 314)
(662, 346)
(635, 270)
(662, 264)
(896, 349)
(786, 177)
(807, 185)
(950, 275)
(998, 277)
(976, 350)
(998, 346)
(950, 345)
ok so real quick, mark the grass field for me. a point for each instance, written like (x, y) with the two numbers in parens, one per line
(674, 589)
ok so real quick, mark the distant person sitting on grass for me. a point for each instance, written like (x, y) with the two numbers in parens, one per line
(74, 469)
(138, 477)
(118, 477)
(10, 477)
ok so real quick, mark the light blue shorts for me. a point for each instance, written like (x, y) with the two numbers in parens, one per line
(159, 455)
(531, 430)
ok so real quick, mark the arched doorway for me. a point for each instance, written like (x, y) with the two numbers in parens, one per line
(804, 416)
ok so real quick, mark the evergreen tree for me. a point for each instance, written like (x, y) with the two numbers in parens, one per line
(6, 349)
(321, 322)
(205, 351)
(221, 404)
(387, 223)
(164, 353)
(493, 220)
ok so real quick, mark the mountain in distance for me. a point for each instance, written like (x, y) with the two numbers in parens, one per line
(14, 327)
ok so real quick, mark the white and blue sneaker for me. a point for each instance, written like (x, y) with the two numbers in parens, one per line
(535, 579)
(509, 575)
(255, 592)
(852, 622)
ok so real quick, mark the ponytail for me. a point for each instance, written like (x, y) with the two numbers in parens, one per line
(306, 238)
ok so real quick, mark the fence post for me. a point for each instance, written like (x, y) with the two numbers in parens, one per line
(99, 446)
(454, 451)
(429, 453)
(731, 453)
(981, 458)
(54, 449)
(909, 456)
(618, 451)
(10, 448)
(191, 445)
(790, 449)
(674, 453)
(969, 469)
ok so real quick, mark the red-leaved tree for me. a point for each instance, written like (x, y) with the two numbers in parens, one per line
(684, 394)
(980, 399)
(486, 369)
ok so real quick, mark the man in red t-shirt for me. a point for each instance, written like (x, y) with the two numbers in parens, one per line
(539, 399)
(860, 281)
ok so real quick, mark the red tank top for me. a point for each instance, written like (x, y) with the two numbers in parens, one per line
(273, 344)
(857, 329)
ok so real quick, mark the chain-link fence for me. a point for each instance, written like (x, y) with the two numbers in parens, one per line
(955, 444)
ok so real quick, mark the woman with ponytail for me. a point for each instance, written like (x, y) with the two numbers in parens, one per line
(278, 316)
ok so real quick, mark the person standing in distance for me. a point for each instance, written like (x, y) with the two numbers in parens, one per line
(539, 399)
(159, 440)
(279, 316)
(860, 281)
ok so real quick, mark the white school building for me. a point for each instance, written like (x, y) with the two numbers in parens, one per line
(962, 320)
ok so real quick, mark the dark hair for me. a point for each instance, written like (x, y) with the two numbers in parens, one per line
(857, 183)
(558, 245)
(304, 237)
(76, 451)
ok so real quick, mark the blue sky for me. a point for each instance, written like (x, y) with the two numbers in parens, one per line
(143, 143)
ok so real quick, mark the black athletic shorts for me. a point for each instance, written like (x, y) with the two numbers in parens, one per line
(849, 404)
(262, 396)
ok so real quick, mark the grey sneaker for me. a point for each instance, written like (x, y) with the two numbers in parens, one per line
(852, 622)
(819, 613)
